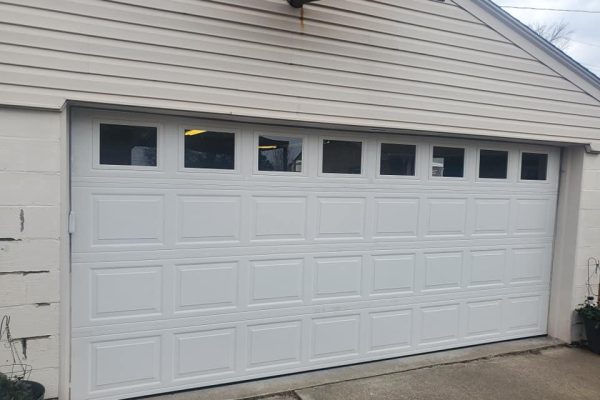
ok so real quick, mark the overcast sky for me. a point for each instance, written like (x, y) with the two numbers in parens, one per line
(585, 43)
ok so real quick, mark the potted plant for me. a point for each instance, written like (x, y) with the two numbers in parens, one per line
(590, 314)
(19, 389)
(14, 384)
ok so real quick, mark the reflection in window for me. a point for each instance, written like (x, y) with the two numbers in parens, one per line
(208, 149)
(279, 154)
(534, 166)
(397, 159)
(493, 164)
(448, 162)
(342, 157)
(127, 145)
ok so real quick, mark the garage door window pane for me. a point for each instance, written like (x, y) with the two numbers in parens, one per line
(127, 145)
(448, 162)
(279, 154)
(534, 166)
(493, 164)
(209, 149)
(397, 159)
(342, 157)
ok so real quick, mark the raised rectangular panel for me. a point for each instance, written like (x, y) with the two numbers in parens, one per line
(209, 218)
(447, 217)
(128, 219)
(484, 318)
(276, 281)
(390, 330)
(487, 267)
(396, 217)
(335, 337)
(206, 286)
(393, 273)
(523, 313)
(439, 324)
(123, 363)
(337, 277)
(210, 352)
(528, 264)
(272, 345)
(119, 292)
(279, 218)
(532, 216)
(491, 216)
(443, 270)
(341, 217)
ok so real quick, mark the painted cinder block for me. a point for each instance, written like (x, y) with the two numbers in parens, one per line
(30, 124)
(33, 320)
(29, 255)
(29, 155)
(29, 288)
(30, 222)
(29, 188)
(590, 199)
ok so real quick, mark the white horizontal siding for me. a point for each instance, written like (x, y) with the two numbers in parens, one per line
(418, 65)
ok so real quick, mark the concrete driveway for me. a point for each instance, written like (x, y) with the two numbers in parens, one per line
(529, 369)
(561, 373)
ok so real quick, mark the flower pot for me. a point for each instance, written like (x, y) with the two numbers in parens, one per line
(592, 332)
(37, 390)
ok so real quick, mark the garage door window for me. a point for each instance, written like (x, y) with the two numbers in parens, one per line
(128, 145)
(342, 157)
(283, 154)
(209, 149)
(397, 159)
(534, 166)
(493, 164)
(448, 162)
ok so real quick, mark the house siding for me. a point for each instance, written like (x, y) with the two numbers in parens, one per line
(422, 66)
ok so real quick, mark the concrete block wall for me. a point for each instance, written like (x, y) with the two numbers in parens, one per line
(31, 144)
(588, 235)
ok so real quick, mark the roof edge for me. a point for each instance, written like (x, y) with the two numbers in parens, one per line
(524, 31)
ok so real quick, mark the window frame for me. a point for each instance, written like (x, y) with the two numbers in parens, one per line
(345, 138)
(255, 160)
(160, 144)
(509, 165)
(210, 127)
(418, 145)
(462, 178)
(534, 181)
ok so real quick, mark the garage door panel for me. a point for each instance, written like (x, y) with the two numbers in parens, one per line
(206, 286)
(341, 217)
(396, 217)
(127, 220)
(112, 291)
(492, 216)
(277, 282)
(204, 218)
(279, 218)
(392, 274)
(188, 277)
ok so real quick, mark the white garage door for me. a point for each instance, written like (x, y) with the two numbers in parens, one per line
(207, 252)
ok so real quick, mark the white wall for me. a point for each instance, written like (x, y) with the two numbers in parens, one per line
(31, 144)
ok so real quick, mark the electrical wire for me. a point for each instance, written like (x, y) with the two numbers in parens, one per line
(553, 9)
